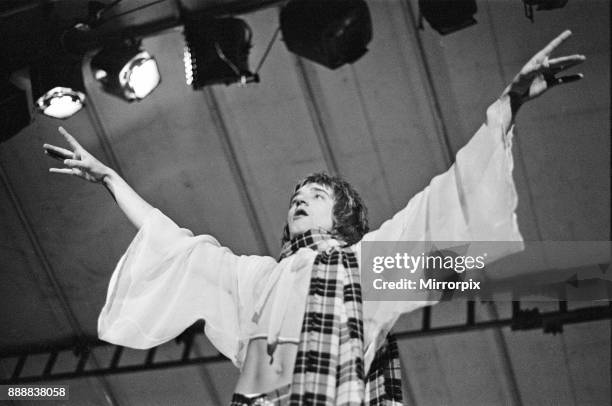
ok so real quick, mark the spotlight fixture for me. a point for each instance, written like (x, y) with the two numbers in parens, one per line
(57, 86)
(126, 71)
(541, 5)
(14, 114)
(217, 51)
(448, 16)
(331, 32)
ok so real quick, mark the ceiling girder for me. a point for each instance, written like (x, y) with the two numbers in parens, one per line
(522, 319)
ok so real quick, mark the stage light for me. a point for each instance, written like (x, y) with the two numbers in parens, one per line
(541, 5)
(448, 16)
(216, 51)
(331, 32)
(126, 71)
(57, 86)
(14, 114)
(61, 102)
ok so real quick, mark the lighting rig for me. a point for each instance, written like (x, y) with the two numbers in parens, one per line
(216, 51)
(125, 70)
(331, 33)
(541, 5)
(448, 16)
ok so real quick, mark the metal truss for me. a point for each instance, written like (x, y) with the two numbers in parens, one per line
(522, 319)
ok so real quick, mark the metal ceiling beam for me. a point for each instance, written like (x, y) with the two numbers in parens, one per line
(236, 170)
(522, 319)
(509, 384)
(434, 98)
(9, 9)
(205, 376)
(373, 141)
(313, 96)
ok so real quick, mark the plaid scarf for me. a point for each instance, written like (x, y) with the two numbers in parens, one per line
(329, 367)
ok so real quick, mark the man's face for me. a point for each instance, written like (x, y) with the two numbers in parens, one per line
(311, 208)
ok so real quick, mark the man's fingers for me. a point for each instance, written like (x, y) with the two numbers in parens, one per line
(61, 170)
(71, 140)
(57, 152)
(555, 42)
(74, 163)
(569, 78)
(553, 81)
(565, 62)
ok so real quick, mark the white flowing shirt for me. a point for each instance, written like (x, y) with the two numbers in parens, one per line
(168, 278)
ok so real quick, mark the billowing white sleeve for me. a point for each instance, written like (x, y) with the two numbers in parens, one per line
(475, 200)
(168, 279)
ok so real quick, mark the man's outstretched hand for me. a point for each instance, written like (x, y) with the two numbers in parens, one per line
(540, 73)
(78, 162)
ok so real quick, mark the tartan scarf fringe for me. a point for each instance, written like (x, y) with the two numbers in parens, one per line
(329, 367)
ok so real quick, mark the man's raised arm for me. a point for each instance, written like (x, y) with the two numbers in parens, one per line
(475, 199)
